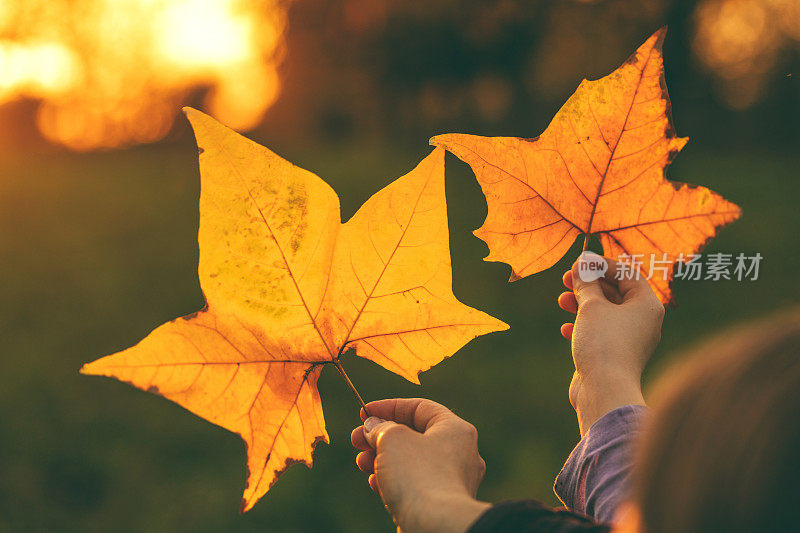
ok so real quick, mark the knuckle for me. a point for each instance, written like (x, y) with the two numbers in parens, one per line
(652, 307)
(391, 431)
(388, 435)
(481, 467)
(470, 431)
(428, 402)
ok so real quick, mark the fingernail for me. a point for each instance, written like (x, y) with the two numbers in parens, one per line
(371, 422)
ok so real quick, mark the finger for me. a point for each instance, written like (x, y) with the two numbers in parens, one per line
(567, 279)
(366, 461)
(373, 483)
(629, 280)
(359, 440)
(567, 302)
(377, 430)
(584, 278)
(566, 330)
(417, 413)
(610, 291)
(363, 414)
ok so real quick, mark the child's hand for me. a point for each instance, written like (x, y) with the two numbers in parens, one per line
(617, 327)
(423, 461)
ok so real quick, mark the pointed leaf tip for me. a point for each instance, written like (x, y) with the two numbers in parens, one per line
(89, 369)
(189, 111)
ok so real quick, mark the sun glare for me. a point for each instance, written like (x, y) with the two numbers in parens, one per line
(111, 73)
(741, 41)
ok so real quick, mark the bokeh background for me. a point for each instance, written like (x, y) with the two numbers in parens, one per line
(98, 216)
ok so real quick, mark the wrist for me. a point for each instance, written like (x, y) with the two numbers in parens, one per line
(601, 382)
(441, 511)
(595, 395)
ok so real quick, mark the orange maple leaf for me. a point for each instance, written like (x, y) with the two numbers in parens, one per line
(289, 289)
(598, 169)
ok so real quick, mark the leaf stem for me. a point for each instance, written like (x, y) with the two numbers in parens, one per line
(585, 242)
(339, 367)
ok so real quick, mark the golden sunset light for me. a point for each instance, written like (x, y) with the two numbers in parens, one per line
(741, 41)
(110, 73)
(453, 254)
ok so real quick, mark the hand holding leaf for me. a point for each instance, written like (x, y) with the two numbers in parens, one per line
(289, 289)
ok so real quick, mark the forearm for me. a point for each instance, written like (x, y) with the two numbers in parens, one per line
(444, 512)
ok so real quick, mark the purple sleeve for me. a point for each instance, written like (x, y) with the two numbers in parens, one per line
(596, 476)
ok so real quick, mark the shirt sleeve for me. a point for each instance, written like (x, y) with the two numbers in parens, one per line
(596, 476)
(529, 516)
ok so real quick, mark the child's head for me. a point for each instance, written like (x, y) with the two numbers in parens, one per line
(722, 452)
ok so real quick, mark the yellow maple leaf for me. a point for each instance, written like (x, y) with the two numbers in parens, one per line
(289, 289)
(598, 169)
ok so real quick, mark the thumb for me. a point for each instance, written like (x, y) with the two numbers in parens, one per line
(586, 274)
(374, 427)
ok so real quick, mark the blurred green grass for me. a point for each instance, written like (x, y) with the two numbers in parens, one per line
(96, 250)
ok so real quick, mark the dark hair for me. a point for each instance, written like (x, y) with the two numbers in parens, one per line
(721, 452)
